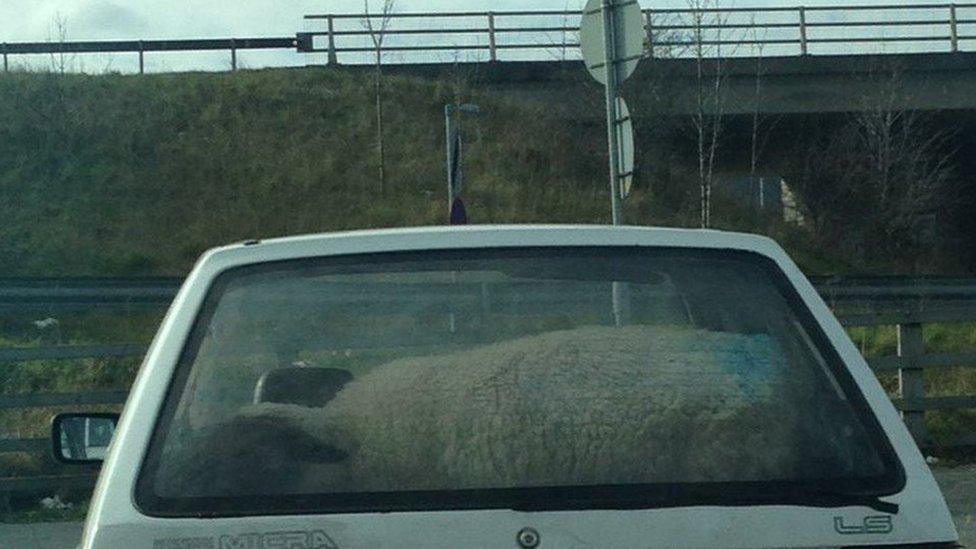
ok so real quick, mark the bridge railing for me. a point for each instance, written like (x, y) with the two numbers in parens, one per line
(942, 27)
(549, 35)
(908, 304)
(712, 32)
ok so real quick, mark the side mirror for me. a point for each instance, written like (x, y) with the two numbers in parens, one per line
(82, 439)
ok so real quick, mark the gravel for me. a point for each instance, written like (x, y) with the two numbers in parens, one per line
(959, 487)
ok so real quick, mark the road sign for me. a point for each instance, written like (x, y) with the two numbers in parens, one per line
(612, 40)
(628, 33)
(625, 140)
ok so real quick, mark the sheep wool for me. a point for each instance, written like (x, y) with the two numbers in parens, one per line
(588, 406)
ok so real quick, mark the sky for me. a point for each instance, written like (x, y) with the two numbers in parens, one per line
(30, 20)
(36, 20)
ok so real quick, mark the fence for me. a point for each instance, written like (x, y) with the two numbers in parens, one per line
(552, 35)
(909, 304)
(906, 303)
(142, 47)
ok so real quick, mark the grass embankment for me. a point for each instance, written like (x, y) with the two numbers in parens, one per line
(125, 175)
(109, 175)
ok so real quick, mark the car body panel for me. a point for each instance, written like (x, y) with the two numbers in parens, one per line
(115, 521)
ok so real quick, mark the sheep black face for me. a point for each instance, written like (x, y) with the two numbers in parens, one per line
(249, 455)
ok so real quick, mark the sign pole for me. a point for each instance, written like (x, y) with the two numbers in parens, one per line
(613, 118)
(621, 290)
(457, 214)
(451, 140)
(612, 38)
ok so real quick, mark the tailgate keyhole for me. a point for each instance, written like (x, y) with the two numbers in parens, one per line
(528, 538)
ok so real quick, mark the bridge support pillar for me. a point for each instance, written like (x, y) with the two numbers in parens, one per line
(333, 58)
(954, 28)
(804, 49)
(492, 44)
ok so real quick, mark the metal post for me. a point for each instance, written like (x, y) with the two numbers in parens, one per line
(610, 66)
(492, 44)
(6, 63)
(621, 290)
(954, 28)
(649, 30)
(455, 142)
(233, 54)
(333, 58)
(449, 126)
(803, 31)
(142, 62)
(911, 379)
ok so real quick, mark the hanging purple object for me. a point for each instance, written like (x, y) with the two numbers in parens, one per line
(459, 215)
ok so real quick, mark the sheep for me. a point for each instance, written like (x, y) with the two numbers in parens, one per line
(587, 406)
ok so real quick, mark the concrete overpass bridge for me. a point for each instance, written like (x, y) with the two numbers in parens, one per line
(788, 85)
(811, 59)
(808, 59)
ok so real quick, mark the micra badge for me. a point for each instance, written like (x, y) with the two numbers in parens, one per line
(879, 524)
(278, 540)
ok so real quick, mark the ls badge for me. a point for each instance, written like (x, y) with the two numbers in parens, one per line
(879, 524)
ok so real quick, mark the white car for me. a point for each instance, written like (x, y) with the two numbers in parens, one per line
(513, 386)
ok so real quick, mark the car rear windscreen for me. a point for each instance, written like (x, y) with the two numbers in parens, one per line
(548, 378)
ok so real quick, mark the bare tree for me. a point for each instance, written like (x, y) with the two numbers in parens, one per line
(710, 80)
(880, 180)
(762, 125)
(663, 42)
(567, 37)
(377, 34)
(60, 61)
(908, 160)
(757, 143)
(58, 111)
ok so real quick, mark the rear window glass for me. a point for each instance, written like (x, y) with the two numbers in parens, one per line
(507, 378)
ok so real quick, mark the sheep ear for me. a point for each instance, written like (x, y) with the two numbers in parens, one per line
(334, 434)
(302, 446)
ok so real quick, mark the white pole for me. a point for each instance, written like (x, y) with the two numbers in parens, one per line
(621, 290)
(449, 127)
(610, 65)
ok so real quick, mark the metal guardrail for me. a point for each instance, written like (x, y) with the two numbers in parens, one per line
(907, 303)
(551, 34)
(85, 294)
(142, 47)
(69, 293)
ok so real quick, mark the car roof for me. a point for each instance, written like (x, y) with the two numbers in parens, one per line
(482, 236)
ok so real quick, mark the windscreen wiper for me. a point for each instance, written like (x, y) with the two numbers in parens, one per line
(734, 498)
(841, 498)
